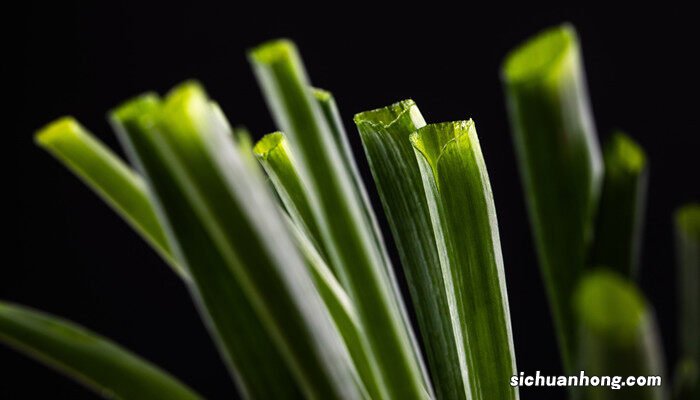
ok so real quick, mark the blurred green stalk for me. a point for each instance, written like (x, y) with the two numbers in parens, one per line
(96, 362)
(191, 161)
(559, 158)
(618, 337)
(687, 230)
(618, 230)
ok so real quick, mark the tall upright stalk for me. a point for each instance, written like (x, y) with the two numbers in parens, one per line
(362, 266)
(464, 222)
(559, 157)
(283, 170)
(618, 230)
(245, 345)
(191, 166)
(687, 231)
(276, 157)
(687, 226)
(385, 136)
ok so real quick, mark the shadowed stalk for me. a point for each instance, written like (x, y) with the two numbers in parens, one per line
(686, 380)
(687, 225)
(687, 232)
(618, 337)
(618, 230)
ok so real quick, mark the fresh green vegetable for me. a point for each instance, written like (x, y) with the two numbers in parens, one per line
(344, 315)
(330, 112)
(106, 174)
(337, 208)
(199, 152)
(244, 343)
(301, 297)
(274, 154)
(559, 158)
(276, 158)
(95, 361)
(385, 136)
(463, 217)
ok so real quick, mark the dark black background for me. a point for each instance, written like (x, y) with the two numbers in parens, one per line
(70, 255)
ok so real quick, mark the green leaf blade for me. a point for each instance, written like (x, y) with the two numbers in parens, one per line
(239, 213)
(274, 154)
(385, 137)
(466, 233)
(90, 359)
(343, 313)
(244, 343)
(330, 112)
(252, 369)
(364, 270)
(106, 174)
(560, 162)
